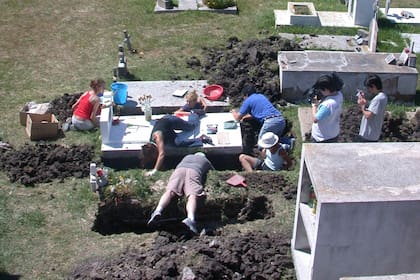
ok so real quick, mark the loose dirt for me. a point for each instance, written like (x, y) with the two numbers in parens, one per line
(216, 254)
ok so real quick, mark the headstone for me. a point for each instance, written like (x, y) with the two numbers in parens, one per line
(373, 32)
(362, 11)
(387, 6)
(390, 59)
(403, 59)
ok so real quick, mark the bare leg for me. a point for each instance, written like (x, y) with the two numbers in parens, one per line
(164, 201)
(191, 206)
(247, 162)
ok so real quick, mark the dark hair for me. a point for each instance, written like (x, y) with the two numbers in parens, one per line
(248, 90)
(95, 84)
(373, 80)
(331, 82)
(150, 154)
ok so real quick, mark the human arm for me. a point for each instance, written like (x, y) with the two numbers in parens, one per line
(283, 153)
(362, 102)
(203, 103)
(96, 106)
(236, 115)
(158, 139)
(315, 104)
(319, 111)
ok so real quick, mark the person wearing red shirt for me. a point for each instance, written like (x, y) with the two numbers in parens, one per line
(87, 107)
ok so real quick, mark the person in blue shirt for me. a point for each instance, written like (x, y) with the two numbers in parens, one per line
(256, 105)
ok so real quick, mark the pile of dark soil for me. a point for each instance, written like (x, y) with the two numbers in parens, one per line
(42, 162)
(394, 128)
(245, 62)
(61, 107)
(255, 255)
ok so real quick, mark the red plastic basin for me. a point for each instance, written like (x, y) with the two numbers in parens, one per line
(213, 92)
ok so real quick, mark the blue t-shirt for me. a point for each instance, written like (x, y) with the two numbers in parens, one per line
(259, 107)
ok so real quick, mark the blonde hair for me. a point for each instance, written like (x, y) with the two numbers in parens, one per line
(191, 96)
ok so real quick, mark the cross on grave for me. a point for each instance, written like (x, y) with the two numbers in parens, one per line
(127, 40)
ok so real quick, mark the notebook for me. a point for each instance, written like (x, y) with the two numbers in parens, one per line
(180, 92)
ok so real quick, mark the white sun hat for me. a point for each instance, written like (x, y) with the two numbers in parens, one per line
(268, 140)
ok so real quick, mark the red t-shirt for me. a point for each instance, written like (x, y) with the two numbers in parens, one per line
(84, 108)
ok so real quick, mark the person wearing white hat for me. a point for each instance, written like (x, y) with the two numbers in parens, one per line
(273, 155)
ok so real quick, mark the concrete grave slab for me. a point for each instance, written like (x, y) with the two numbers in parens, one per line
(191, 5)
(300, 69)
(330, 42)
(337, 19)
(163, 100)
(395, 15)
(126, 137)
(305, 120)
(413, 38)
(404, 276)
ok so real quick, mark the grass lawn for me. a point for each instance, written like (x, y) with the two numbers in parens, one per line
(49, 48)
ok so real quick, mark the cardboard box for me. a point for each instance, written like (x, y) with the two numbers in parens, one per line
(41, 108)
(41, 126)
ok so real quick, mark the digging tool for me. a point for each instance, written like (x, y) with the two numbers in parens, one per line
(237, 181)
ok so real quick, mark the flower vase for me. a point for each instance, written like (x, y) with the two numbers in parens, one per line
(148, 112)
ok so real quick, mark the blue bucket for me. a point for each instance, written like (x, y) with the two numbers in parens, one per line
(120, 93)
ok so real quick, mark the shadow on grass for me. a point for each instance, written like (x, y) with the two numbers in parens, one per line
(7, 276)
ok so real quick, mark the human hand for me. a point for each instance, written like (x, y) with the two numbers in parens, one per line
(315, 102)
(150, 173)
(361, 100)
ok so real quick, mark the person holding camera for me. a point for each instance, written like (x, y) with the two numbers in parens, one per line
(326, 110)
(373, 115)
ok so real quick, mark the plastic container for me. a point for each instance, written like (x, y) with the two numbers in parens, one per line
(213, 92)
(120, 93)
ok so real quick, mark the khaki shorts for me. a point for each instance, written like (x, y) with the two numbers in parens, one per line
(185, 181)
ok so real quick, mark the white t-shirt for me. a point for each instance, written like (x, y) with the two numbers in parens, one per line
(370, 129)
(329, 127)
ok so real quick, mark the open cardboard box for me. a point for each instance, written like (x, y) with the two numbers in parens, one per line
(41, 108)
(41, 126)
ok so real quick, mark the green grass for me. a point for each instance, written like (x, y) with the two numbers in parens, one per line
(49, 48)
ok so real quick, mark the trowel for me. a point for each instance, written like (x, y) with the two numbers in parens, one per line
(237, 181)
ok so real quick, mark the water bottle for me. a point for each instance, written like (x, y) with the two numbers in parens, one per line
(92, 176)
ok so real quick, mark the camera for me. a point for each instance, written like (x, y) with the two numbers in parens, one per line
(314, 93)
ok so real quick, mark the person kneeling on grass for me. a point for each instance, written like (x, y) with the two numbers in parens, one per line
(187, 179)
(274, 156)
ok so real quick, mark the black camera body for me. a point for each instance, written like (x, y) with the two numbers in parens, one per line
(314, 93)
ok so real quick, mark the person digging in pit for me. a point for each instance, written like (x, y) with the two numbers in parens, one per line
(187, 179)
(257, 106)
(273, 155)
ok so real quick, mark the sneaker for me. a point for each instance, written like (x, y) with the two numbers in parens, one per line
(66, 126)
(190, 224)
(154, 217)
(292, 143)
(206, 139)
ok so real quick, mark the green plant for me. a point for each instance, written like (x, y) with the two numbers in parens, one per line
(219, 4)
